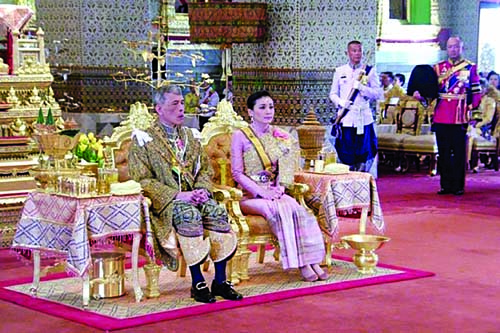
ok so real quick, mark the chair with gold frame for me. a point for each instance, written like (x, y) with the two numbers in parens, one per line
(408, 141)
(216, 138)
(418, 145)
(481, 145)
(253, 229)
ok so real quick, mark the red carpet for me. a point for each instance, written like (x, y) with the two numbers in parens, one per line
(104, 322)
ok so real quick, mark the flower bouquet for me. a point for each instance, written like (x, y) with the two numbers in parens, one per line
(90, 149)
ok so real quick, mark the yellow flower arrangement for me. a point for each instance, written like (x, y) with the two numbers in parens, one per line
(90, 149)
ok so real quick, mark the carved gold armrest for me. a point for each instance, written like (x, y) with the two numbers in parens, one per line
(231, 197)
(297, 190)
(221, 195)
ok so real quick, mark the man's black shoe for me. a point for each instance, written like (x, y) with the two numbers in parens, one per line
(226, 290)
(459, 192)
(443, 191)
(201, 293)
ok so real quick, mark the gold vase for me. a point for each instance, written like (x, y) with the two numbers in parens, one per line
(152, 272)
(365, 258)
(311, 136)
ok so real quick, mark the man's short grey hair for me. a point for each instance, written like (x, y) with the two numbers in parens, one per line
(159, 96)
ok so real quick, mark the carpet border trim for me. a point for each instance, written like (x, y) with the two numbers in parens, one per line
(103, 322)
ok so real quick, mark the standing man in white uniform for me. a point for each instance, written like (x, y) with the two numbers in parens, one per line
(352, 92)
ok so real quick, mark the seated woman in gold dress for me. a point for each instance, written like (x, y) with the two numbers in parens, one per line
(260, 154)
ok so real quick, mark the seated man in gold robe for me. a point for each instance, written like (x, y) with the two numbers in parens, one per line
(174, 173)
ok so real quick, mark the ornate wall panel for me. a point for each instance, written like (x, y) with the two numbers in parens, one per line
(61, 21)
(327, 26)
(106, 24)
(92, 34)
(462, 18)
(93, 30)
(464, 22)
(294, 92)
(311, 34)
(96, 91)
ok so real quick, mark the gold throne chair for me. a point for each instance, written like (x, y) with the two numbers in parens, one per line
(253, 230)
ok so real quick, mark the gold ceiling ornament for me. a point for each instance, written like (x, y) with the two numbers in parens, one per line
(154, 52)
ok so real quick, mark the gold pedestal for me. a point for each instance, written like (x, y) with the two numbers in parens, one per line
(152, 272)
(365, 261)
(365, 258)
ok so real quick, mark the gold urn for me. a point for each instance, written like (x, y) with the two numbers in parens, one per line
(365, 258)
(108, 274)
(311, 136)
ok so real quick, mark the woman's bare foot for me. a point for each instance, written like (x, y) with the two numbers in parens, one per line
(322, 275)
(308, 273)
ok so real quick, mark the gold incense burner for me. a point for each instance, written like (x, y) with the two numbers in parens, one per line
(365, 258)
(311, 136)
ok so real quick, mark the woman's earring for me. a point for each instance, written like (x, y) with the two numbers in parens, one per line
(251, 119)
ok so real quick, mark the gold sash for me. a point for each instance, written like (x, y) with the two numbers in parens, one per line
(263, 156)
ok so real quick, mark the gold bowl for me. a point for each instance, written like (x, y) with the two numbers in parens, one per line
(365, 258)
(56, 145)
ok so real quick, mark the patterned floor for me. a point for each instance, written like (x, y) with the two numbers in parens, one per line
(265, 279)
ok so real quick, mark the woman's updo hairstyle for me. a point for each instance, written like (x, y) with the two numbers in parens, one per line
(252, 99)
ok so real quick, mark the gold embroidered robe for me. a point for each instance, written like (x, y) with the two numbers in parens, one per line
(151, 165)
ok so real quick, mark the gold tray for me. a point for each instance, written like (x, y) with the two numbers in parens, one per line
(66, 195)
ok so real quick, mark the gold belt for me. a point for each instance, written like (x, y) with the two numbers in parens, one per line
(452, 96)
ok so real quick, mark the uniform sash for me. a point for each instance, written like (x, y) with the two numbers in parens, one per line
(452, 70)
